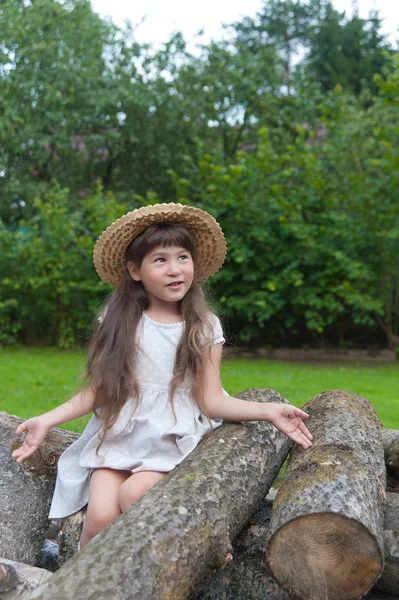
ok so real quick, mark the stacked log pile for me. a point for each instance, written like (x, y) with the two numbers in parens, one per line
(326, 533)
(327, 523)
(326, 530)
(182, 529)
(390, 440)
(26, 491)
(249, 577)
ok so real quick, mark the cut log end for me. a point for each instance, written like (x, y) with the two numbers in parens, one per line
(8, 578)
(325, 555)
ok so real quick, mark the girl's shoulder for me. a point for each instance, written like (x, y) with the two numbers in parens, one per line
(215, 330)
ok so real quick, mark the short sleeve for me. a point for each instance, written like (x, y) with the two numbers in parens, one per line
(101, 317)
(217, 331)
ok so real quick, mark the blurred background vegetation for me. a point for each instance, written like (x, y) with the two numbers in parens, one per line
(287, 133)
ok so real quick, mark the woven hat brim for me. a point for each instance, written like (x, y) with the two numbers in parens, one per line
(110, 249)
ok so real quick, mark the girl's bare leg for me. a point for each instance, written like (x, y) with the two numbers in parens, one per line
(103, 507)
(133, 488)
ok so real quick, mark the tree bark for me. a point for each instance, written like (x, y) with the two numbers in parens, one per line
(26, 491)
(389, 580)
(18, 580)
(326, 530)
(390, 439)
(164, 545)
(248, 576)
(69, 535)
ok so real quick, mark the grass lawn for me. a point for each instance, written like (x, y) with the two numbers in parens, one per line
(34, 380)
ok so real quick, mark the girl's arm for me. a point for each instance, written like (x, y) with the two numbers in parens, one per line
(78, 406)
(215, 404)
(37, 428)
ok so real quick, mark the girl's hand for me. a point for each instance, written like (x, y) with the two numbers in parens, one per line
(288, 420)
(36, 430)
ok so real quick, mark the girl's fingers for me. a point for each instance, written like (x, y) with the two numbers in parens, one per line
(21, 428)
(300, 413)
(299, 439)
(305, 430)
(22, 453)
(23, 458)
(305, 441)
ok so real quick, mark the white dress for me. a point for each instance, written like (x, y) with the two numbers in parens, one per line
(149, 439)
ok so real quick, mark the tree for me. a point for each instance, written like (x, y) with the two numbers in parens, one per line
(52, 71)
(348, 52)
(283, 24)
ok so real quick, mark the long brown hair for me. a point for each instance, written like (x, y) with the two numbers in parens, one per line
(113, 350)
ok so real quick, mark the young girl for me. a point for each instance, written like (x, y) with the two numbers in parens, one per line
(153, 368)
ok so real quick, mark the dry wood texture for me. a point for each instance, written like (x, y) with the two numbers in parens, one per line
(26, 491)
(69, 535)
(390, 439)
(163, 546)
(248, 577)
(326, 530)
(18, 580)
(389, 580)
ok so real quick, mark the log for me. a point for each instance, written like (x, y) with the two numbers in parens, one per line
(69, 535)
(182, 529)
(18, 580)
(26, 491)
(248, 575)
(389, 580)
(326, 530)
(390, 439)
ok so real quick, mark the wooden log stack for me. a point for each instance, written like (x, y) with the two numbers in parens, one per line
(182, 529)
(390, 440)
(336, 530)
(326, 530)
(248, 575)
(18, 580)
(26, 491)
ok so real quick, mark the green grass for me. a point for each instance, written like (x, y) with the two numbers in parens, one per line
(299, 382)
(34, 380)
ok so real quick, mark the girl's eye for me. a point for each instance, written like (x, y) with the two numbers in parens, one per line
(159, 260)
(183, 256)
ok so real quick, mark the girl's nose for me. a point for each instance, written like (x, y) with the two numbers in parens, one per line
(174, 268)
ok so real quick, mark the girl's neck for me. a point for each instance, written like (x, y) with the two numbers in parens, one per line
(164, 315)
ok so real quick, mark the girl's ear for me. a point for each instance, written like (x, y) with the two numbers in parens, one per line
(134, 271)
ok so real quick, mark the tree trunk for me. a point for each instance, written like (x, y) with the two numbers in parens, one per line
(165, 544)
(326, 530)
(69, 535)
(26, 490)
(248, 575)
(390, 439)
(389, 580)
(18, 580)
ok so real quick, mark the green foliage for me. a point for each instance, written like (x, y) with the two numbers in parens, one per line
(348, 52)
(300, 165)
(312, 231)
(50, 290)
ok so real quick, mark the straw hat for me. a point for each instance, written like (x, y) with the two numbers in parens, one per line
(110, 249)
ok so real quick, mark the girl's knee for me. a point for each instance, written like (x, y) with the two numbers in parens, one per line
(129, 493)
(98, 519)
(136, 486)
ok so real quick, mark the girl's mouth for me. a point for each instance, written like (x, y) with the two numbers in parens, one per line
(175, 284)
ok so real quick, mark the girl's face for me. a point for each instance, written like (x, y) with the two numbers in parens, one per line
(166, 273)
